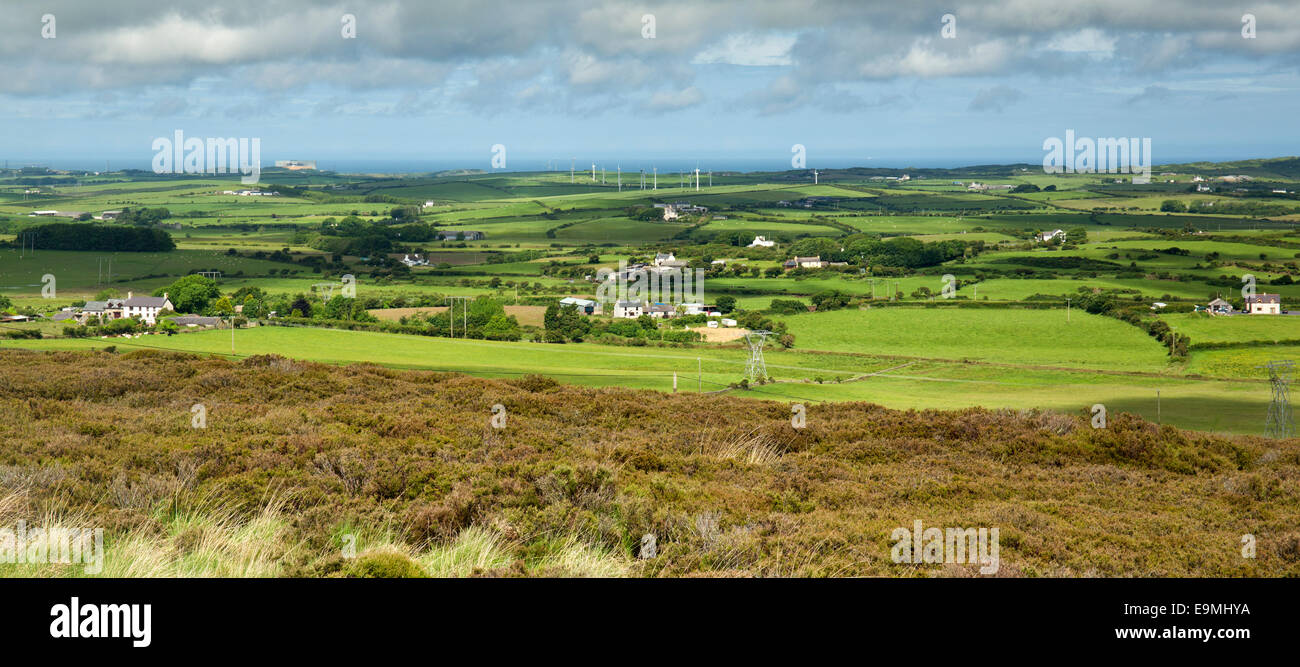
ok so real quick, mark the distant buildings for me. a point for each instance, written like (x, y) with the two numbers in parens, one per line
(414, 260)
(295, 165)
(677, 209)
(1048, 237)
(1219, 307)
(760, 242)
(453, 235)
(804, 263)
(251, 193)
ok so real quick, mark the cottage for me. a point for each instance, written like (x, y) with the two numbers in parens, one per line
(628, 309)
(100, 311)
(661, 310)
(1048, 237)
(760, 242)
(145, 308)
(1264, 304)
(662, 258)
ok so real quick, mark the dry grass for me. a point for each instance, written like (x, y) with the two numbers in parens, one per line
(298, 455)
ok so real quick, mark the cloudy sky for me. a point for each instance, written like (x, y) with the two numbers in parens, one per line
(721, 83)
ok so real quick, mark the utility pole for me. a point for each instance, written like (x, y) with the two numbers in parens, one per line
(700, 373)
(1067, 311)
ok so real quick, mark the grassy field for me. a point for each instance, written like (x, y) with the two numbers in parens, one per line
(1029, 337)
(1202, 328)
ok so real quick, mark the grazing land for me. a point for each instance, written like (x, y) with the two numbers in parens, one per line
(929, 294)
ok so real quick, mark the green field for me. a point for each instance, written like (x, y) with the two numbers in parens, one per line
(902, 355)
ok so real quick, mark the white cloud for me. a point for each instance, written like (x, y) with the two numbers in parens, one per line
(748, 49)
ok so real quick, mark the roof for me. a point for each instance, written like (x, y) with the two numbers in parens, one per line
(1219, 302)
(807, 259)
(145, 302)
(186, 320)
(674, 264)
(59, 317)
(1264, 298)
(662, 308)
(577, 302)
(629, 304)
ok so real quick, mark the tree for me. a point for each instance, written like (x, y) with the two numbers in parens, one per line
(1173, 206)
(501, 327)
(300, 307)
(726, 304)
(191, 294)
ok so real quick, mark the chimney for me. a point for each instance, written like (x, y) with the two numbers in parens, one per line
(164, 296)
(128, 294)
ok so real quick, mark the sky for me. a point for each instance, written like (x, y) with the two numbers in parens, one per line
(635, 84)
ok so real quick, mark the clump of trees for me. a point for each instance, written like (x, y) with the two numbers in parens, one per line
(73, 236)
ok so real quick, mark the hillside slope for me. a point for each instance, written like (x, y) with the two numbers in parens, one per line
(297, 460)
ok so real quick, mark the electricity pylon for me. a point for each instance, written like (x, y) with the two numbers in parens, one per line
(1280, 423)
(756, 370)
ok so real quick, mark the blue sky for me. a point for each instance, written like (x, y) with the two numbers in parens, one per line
(720, 83)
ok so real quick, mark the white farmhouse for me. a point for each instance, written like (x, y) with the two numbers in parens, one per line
(145, 308)
(760, 242)
(1264, 304)
(1047, 237)
(628, 309)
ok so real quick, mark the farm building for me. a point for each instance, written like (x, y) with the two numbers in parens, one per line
(760, 242)
(1047, 237)
(585, 306)
(1264, 304)
(1219, 307)
(196, 321)
(662, 310)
